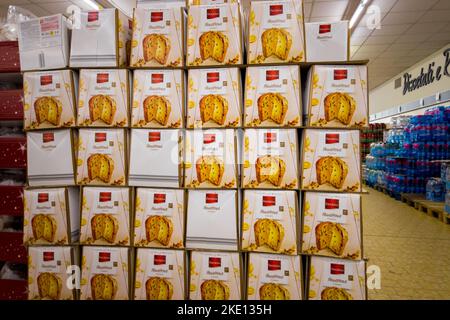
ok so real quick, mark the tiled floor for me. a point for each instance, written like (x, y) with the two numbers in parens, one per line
(411, 249)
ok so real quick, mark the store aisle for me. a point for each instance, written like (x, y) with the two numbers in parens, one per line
(411, 248)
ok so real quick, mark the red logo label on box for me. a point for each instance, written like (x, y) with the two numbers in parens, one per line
(42, 197)
(270, 137)
(157, 77)
(130, 24)
(104, 256)
(268, 201)
(215, 262)
(100, 136)
(331, 138)
(209, 138)
(212, 13)
(102, 77)
(48, 137)
(159, 259)
(46, 80)
(48, 256)
(276, 9)
(92, 16)
(336, 268)
(324, 28)
(340, 74)
(331, 204)
(212, 77)
(154, 136)
(159, 198)
(273, 265)
(211, 198)
(156, 16)
(104, 196)
(272, 75)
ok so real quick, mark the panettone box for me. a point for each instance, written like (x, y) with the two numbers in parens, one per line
(202, 2)
(51, 216)
(158, 31)
(210, 160)
(272, 97)
(337, 96)
(103, 98)
(274, 277)
(49, 99)
(105, 216)
(331, 160)
(47, 272)
(214, 35)
(332, 225)
(211, 220)
(214, 98)
(159, 274)
(101, 157)
(43, 43)
(105, 273)
(269, 221)
(156, 158)
(158, 99)
(50, 158)
(270, 159)
(327, 41)
(276, 32)
(159, 218)
(100, 38)
(215, 276)
(336, 279)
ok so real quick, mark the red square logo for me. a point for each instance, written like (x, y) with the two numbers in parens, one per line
(324, 28)
(336, 268)
(157, 77)
(331, 204)
(273, 265)
(212, 13)
(215, 262)
(268, 201)
(331, 138)
(93, 16)
(104, 196)
(159, 198)
(272, 75)
(212, 77)
(156, 16)
(159, 259)
(102, 77)
(211, 198)
(130, 24)
(104, 256)
(276, 9)
(100, 136)
(42, 197)
(48, 137)
(46, 80)
(340, 74)
(209, 138)
(270, 137)
(48, 256)
(154, 136)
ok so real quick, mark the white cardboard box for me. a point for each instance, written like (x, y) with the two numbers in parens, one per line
(43, 43)
(50, 158)
(155, 158)
(327, 41)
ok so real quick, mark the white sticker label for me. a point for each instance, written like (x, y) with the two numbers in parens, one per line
(273, 80)
(216, 267)
(213, 82)
(212, 203)
(275, 270)
(334, 208)
(103, 82)
(161, 264)
(277, 15)
(340, 80)
(50, 261)
(157, 21)
(44, 202)
(92, 19)
(209, 144)
(160, 203)
(107, 202)
(49, 84)
(338, 274)
(270, 143)
(158, 83)
(101, 142)
(269, 206)
(105, 261)
(333, 144)
(213, 18)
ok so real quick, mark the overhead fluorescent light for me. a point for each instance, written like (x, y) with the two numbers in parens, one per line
(92, 4)
(359, 10)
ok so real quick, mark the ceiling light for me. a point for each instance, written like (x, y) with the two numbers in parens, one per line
(92, 4)
(359, 10)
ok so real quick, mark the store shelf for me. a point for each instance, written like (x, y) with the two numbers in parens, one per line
(11, 200)
(11, 247)
(13, 289)
(9, 56)
(11, 105)
(13, 152)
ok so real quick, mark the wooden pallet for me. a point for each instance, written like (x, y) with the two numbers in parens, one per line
(431, 208)
(411, 198)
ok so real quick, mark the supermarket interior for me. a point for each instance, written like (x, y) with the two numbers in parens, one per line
(224, 150)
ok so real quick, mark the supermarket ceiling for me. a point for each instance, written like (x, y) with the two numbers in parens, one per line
(410, 30)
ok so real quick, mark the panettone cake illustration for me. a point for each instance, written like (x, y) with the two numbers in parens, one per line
(273, 291)
(339, 106)
(100, 166)
(49, 286)
(104, 226)
(102, 107)
(332, 236)
(269, 232)
(103, 287)
(44, 227)
(156, 108)
(48, 109)
(156, 46)
(213, 107)
(213, 44)
(333, 293)
(157, 288)
(209, 168)
(331, 170)
(158, 228)
(214, 290)
(270, 168)
(272, 106)
(276, 42)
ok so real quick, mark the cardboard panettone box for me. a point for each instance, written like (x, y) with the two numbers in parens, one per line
(202, 2)
(51, 216)
(214, 35)
(336, 279)
(156, 158)
(100, 39)
(332, 225)
(269, 221)
(274, 277)
(214, 98)
(270, 159)
(47, 272)
(159, 218)
(276, 32)
(43, 43)
(337, 96)
(215, 276)
(331, 160)
(50, 158)
(158, 35)
(101, 157)
(105, 273)
(327, 41)
(105, 216)
(211, 220)
(159, 274)
(210, 160)
(158, 99)
(272, 97)
(103, 98)
(49, 99)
